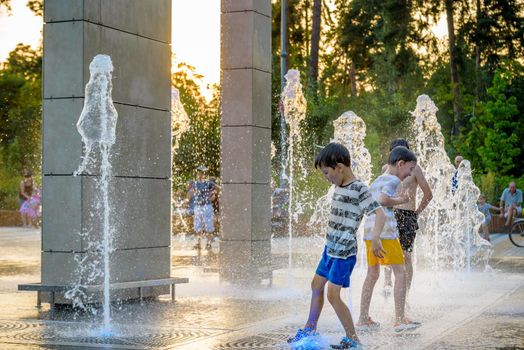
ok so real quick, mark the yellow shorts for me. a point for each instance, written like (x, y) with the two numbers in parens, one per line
(393, 255)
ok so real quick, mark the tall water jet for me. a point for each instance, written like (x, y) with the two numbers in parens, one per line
(294, 104)
(180, 123)
(350, 130)
(179, 118)
(97, 127)
(444, 238)
(468, 247)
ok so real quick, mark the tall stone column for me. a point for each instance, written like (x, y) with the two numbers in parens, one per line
(136, 34)
(245, 203)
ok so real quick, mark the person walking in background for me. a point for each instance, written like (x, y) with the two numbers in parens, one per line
(485, 208)
(511, 201)
(202, 191)
(25, 192)
(31, 209)
(454, 179)
(351, 200)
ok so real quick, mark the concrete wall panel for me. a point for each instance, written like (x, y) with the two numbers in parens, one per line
(246, 213)
(237, 43)
(61, 213)
(262, 7)
(62, 71)
(125, 266)
(262, 43)
(139, 65)
(247, 48)
(62, 144)
(141, 211)
(242, 105)
(135, 153)
(247, 153)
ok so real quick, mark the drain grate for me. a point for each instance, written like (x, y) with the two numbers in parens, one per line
(70, 334)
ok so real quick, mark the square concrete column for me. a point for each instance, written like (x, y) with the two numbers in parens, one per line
(245, 206)
(136, 35)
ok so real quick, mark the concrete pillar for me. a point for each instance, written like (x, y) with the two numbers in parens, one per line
(136, 34)
(245, 203)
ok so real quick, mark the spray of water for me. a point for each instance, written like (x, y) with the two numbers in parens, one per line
(180, 123)
(97, 127)
(294, 104)
(179, 118)
(450, 222)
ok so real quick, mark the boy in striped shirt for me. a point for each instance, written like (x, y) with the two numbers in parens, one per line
(351, 200)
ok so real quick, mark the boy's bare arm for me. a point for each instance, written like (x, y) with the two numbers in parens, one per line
(376, 244)
(387, 201)
(424, 186)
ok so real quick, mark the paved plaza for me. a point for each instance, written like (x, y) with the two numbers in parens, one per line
(476, 310)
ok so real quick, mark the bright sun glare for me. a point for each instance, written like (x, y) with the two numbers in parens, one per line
(195, 34)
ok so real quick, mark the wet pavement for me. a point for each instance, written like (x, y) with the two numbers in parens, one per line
(476, 310)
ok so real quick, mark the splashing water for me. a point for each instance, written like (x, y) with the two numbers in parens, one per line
(97, 122)
(449, 223)
(294, 104)
(180, 123)
(97, 126)
(179, 118)
(468, 247)
(350, 130)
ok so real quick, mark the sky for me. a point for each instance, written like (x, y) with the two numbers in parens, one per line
(195, 34)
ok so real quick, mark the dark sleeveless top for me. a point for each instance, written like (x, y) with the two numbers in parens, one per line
(28, 189)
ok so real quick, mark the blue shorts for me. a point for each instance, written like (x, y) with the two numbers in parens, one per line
(336, 270)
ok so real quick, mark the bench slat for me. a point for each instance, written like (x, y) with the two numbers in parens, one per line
(99, 287)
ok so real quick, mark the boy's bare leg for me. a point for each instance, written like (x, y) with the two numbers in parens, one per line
(485, 231)
(387, 276)
(408, 266)
(510, 213)
(342, 311)
(367, 291)
(317, 301)
(399, 292)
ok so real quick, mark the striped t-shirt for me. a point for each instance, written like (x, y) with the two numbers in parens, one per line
(348, 206)
(387, 184)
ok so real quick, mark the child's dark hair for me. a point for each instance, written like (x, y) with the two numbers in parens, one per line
(333, 154)
(401, 153)
(398, 142)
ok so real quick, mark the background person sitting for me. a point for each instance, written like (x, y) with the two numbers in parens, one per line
(511, 201)
(484, 208)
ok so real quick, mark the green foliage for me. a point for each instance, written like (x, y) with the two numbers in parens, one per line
(494, 141)
(20, 118)
(491, 185)
(200, 145)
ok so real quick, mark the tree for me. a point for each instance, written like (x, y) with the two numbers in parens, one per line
(453, 56)
(200, 145)
(20, 111)
(495, 139)
(315, 41)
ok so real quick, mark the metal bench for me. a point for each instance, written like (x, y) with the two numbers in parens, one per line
(52, 289)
